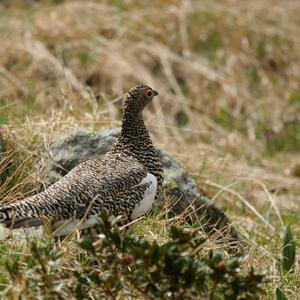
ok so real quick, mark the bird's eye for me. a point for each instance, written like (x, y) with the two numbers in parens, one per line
(148, 91)
(149, 94)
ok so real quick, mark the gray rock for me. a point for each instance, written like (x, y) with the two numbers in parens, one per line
(70, 150)
(184, 197)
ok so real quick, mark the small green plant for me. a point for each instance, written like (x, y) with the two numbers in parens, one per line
(279, 294)
(167, 271)
(288, 251)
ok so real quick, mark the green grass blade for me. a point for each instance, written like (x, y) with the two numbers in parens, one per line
(279, 294)
(288, 251)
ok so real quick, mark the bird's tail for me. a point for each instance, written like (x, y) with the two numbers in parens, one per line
(20, 214)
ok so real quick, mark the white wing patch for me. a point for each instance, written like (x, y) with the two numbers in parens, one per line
(146, 204)
(61, 228)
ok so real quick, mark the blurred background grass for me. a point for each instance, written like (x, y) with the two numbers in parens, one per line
(228, 75)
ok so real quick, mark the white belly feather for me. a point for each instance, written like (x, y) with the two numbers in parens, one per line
(146, 204)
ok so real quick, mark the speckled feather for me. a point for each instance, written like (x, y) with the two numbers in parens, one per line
(112, 183)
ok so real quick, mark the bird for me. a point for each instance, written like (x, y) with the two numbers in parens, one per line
(125, 182)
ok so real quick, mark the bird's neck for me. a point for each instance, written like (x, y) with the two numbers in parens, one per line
(134, 134)
(133, 125)
(135, 141)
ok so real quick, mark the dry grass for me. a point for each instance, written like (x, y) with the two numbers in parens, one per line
(228, 77)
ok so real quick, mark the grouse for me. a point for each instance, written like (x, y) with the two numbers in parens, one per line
(125, 182)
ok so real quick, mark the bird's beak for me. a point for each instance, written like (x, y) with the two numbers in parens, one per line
(155, 93)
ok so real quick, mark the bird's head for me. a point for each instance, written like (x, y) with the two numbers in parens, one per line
(138, 97)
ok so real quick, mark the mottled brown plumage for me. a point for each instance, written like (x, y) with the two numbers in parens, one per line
(121, 182)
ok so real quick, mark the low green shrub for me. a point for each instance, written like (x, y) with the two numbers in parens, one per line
(127, 265)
